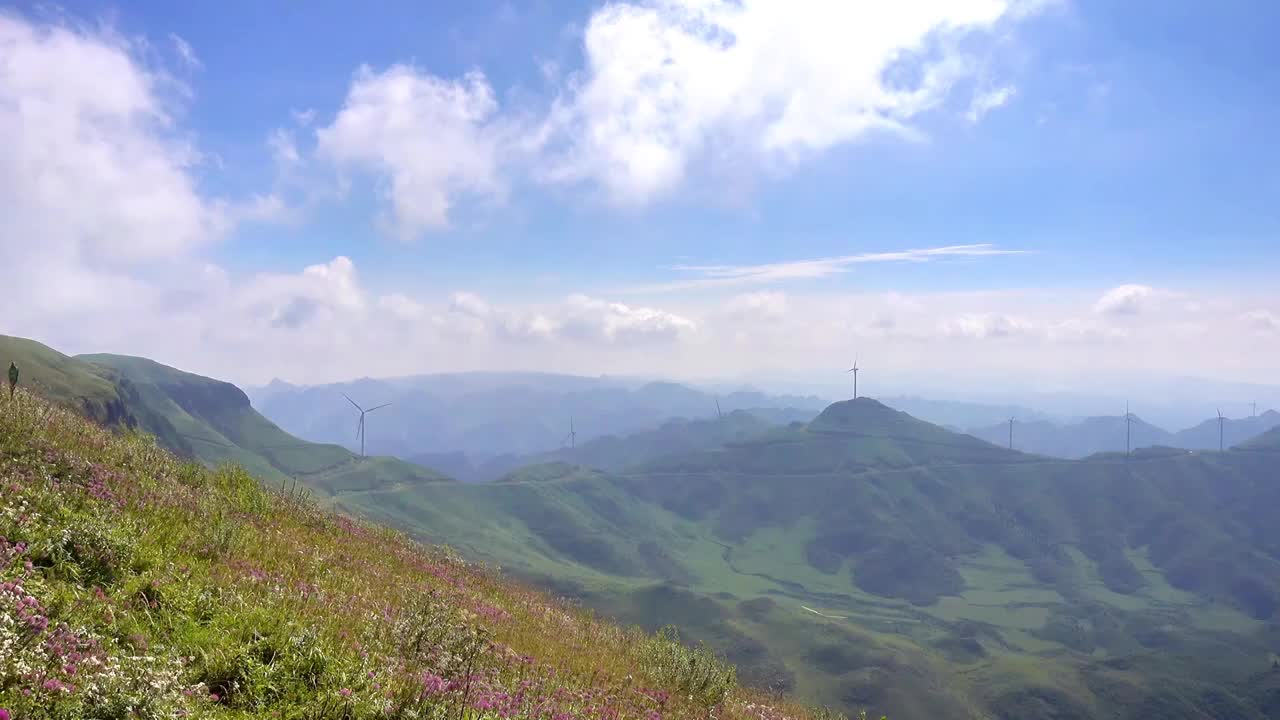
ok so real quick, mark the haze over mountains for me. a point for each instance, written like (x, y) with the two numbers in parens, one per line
(491, 416)
(1108, 434)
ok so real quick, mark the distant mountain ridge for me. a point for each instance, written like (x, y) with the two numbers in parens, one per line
(614, 453)
(1107, 434)
(492, 415)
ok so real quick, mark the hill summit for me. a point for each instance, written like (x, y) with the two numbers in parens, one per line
(872, 418)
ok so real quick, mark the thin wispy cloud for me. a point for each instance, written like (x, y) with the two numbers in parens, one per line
(708, 276)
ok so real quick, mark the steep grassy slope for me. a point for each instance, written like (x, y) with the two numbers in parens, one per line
(136, 585)
(873, 560)
(66, 381)
(198, 417)
(215, 420)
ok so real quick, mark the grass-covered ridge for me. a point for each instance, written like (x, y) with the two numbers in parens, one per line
(199, 418)
(136, 584)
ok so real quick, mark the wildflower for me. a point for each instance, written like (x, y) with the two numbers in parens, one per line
(345, 692)
(4, 714)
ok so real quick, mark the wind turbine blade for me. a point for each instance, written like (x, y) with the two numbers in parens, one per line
(353, 402)
(379, 407)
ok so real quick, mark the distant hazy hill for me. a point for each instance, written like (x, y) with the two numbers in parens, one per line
(616, 453)
(484, 415)
(198, 417)
(1107, 434)
(872, 560)
(1234, 431)
(955, 413)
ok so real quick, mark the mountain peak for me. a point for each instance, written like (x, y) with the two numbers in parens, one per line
(862, 415)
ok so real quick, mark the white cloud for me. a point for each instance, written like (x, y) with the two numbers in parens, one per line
(428, 141)
(594, 319)
(728, 275)
(765, 306)
(672, 82)
(99, 202)
(985, 102)
(982, 326)
(1125, 300)
(1262, 321)
(185, 51)
(90, 167)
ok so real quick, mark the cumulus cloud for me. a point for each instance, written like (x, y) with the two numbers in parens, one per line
(91, 169)
(594, 319)
(427, 140)
(669, 83)
(981, 326)
(1125, 300)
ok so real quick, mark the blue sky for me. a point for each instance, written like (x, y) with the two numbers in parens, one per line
(501, 184)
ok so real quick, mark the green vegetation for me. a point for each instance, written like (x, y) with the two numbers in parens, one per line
(134, 584)
(872, 560)
(199, 418)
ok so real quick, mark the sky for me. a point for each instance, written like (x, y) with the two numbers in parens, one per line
(1044, 192)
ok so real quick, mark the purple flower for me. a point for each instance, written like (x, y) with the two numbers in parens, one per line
(4, 714)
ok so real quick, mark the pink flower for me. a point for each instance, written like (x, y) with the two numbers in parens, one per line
(4, 714)
(345, 692)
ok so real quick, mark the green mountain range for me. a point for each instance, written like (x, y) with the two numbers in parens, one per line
(200, 418)
(869, 559)
(865, 559)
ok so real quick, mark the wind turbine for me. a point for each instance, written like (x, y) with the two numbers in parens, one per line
(1220, 448)
(719, 415)
(1010, 433)
(1255, 408)
(363, 412)
(572, 437)
(854, 370)
(1128, 420)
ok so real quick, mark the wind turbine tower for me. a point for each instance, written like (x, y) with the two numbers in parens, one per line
(854, 370)
(1010, 433)
(719, 415)
(1220, 443)
(572, 437)
(1128, 422)
(1255, 408)
(363, 412)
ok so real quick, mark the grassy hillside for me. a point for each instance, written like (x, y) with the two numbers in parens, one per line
(873, 560)
(65, 381)
(134, 584)
(215, 420)
(198, 417)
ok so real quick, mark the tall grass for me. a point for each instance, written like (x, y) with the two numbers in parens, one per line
(136, 585)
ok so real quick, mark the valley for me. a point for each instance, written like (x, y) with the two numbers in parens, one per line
(876, 561)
